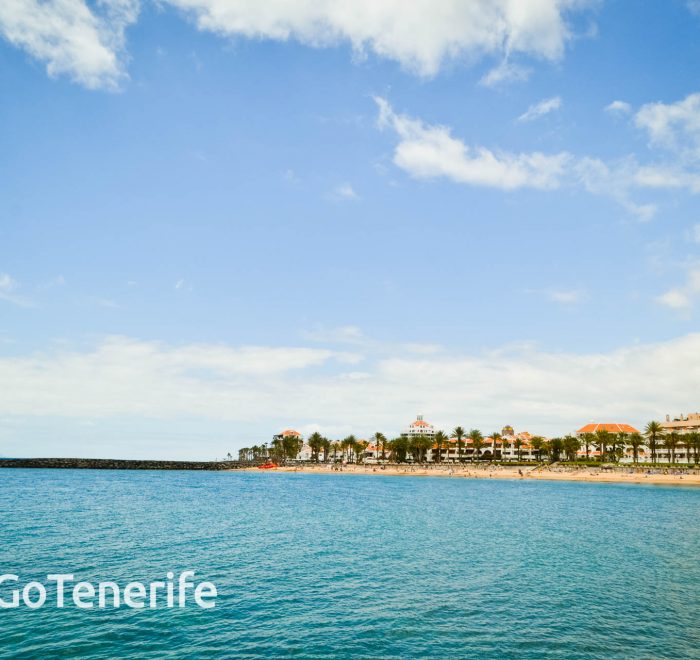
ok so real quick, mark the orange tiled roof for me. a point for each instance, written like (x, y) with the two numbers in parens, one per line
(287, 432)
(612, 428)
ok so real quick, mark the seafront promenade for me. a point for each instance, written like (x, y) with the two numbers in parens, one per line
(619, 474)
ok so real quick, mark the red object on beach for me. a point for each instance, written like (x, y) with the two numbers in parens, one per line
(267, 466)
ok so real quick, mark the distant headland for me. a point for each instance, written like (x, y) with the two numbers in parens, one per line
(119, 464)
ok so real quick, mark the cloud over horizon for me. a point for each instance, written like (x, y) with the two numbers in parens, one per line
(546, 392)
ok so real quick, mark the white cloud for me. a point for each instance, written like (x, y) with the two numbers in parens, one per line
(54, 282)
(616, 181)
(427, 152)
(85, 40)
(619, 108)
(696, 233)
(675, 299)
(122, 380)
(8, 291)
(540, 109)
(505, 72)
(431, 151)
(566, 296)
(673, 126)
(106, 303)
(344, 191)
(417, 34)
(71, 38)
(684, 296)
(350, 334)
(7, 283)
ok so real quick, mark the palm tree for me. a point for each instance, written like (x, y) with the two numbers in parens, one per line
(459, 434)
(477, 442)
(359, 448)
(440, 439)
(315, 441)
(635, 441)
(671, 442)
(519, 447)
(399, 448)
(278, 449)
(496, 438)
(379, 439)
(622, 439)
(421, 444)
(291, 446)
(326, 448)
(652, 431)
(347, 444)
(336, 446)
(572, 446)
(602, 438)
(537, 443)
(556, 447)
(385, 443)
(505, 444)
(693, 440)
(588, 439)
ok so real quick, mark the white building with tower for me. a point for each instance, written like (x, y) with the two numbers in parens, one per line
(419, 427)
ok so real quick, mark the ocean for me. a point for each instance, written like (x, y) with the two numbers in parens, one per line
(355, 566)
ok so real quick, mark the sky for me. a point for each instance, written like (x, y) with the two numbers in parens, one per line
(223, 218)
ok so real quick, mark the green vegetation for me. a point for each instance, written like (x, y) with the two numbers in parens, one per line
(608, 447)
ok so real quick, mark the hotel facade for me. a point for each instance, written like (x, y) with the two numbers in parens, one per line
(512, 446)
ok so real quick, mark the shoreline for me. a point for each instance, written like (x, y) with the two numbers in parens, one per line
(587, 475)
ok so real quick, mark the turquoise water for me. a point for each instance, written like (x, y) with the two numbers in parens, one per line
(357, 566)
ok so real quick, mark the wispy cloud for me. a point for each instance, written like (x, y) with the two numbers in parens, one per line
(618, 108)
(673, 126)
(431, 151)
(683, 297)
(540, 109)
(427, 152)
(106, 303)
(696, 233)
(505, 72)
(566, 296)
(344, 192)
(8, 292)
(54, 282)
(347, 334)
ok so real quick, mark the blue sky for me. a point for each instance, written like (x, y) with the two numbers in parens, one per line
(217, 221)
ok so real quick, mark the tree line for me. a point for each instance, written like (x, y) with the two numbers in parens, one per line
(610, 447)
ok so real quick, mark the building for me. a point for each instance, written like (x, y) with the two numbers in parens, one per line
(419, 427)
(305, 452)
(682, 424)
(594, 451)
(610, 428)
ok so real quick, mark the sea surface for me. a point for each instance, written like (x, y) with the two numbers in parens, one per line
(354, 566)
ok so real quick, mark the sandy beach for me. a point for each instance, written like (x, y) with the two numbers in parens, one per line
(623, 474)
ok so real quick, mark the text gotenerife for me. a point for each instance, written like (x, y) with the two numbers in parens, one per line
(180, 592)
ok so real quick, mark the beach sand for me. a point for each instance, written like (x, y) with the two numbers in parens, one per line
(622, 474)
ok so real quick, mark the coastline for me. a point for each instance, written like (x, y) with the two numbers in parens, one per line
(541, 473)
